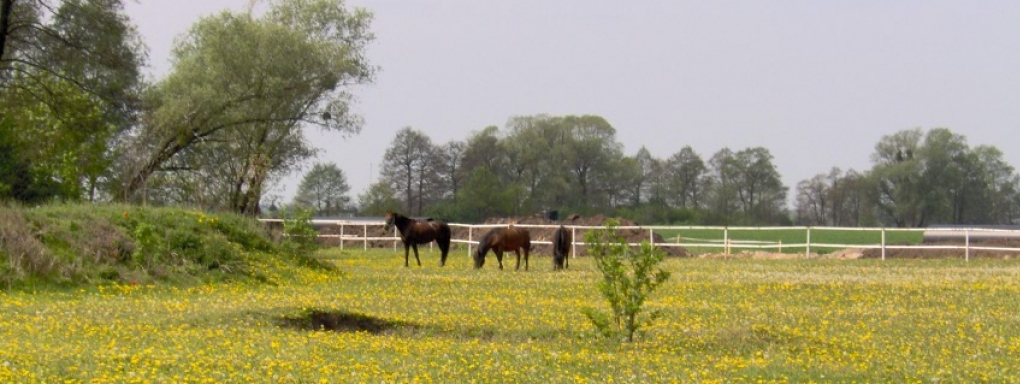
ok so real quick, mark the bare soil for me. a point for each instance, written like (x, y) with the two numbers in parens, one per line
(844, 254)
(950, 253)
(339, 321)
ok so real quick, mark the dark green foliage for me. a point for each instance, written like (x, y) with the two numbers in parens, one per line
(18, 180)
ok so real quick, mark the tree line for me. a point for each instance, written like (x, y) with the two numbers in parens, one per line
(79, 122)
(575, 164)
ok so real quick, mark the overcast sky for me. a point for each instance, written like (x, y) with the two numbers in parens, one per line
(818, 83)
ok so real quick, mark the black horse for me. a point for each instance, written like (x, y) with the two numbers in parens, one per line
(562, 240)
(500, 240)
(414, 232)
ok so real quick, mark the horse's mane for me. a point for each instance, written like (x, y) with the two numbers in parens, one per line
(483, 243)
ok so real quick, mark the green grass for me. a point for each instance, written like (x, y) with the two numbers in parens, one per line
(775, 237)
(723, 321)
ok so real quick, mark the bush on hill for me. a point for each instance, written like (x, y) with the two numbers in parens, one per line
(67, 245)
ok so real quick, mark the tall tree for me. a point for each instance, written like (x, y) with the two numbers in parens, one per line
(761, 190)
(407, 167)
(835, 198)
(591, 148)
(992, 194)
(531, 155)
(688, 178)
(324, 189)
(651, 184)
(484, 196)
(89, 44)
(921, 178)
(449, 160)
(252, 83)
(69, 77)
(747, 187)
(378, 199)
(723, 195)
(482, 149)
(896, 179)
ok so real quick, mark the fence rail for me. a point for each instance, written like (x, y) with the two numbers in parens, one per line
(726, 244)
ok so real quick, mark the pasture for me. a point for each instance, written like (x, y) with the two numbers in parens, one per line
(778, 236)
(724, 321)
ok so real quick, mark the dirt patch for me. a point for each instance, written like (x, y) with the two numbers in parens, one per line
(845, 254)
(339, 321)
(950, 253)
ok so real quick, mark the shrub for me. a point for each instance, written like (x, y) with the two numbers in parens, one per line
(628, 277)
(299, 234)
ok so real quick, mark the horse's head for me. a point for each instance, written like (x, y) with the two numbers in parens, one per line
(390, 219)
(479, 256)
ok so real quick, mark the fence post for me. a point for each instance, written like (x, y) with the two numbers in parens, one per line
(726, 240)
(341, 236)
(573, 242)
(807, 253)
(469, 241)
(651, 237)
(396, 232)
(366, 236)
(883, 243)
(966, 237)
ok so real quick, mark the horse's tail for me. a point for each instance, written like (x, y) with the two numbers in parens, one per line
(560, 242)
(443, 236)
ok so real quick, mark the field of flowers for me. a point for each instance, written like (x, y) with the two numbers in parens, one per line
(724, 321)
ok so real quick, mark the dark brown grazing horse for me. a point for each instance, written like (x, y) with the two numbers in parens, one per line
(414, 232)
(562, 240)
(500, 240)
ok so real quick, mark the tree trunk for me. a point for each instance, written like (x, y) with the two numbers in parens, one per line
(6, 7)
(138, 180)
(410, 201)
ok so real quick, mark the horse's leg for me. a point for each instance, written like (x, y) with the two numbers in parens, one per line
(527, 254)
(407, 250)
(444, 247)
(499, 257)
(517, 251)
(415, 246)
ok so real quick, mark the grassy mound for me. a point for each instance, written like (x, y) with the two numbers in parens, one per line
(70, 245)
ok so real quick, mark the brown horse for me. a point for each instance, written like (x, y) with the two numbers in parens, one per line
(500, 240)
(414, 232)
(562, 240)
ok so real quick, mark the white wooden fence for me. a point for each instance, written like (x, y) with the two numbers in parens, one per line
(357, 231)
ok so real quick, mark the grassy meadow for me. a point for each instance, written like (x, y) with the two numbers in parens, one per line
(774, 238)
(723, 321)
